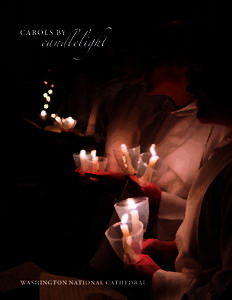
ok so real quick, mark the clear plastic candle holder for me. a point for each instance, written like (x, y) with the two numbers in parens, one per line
(141, 204)
(88, 164)
(127, 248)
(128, 162)
(161, 175)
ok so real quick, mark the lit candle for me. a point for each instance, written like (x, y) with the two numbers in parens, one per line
(43, 114)
(68, 123)
(58, 120)
(126, 159)
(129, 254)
(124, 227)
(94, 161)
(151, 164)
(154, 157)
(83, 160)
(134, 214)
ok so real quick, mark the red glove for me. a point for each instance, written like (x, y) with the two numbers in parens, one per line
(151, 191)
(163, 252)
(112, 182)
(144, 269)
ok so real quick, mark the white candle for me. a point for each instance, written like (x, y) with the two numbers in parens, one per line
(94, 161)
(134, 215)
(129, 254)
(126, 159)
(151, 164)
(83, 160)
(124, 227)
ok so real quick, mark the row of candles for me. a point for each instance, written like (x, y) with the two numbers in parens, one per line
(126, 161)
(64, 123)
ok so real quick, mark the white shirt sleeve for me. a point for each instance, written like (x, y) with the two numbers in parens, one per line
(171, 207)
(169, 285)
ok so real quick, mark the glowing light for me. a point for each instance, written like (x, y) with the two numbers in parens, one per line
(131, 204)
(52, 85)
(45, 95)
(124, 148)
(45, 82)
(53, 115)
(58, 120)
(152, 150)
(43, 114)
(93, 153)
(48, 98)
(124, 219)
(50, 92)
(45, 106)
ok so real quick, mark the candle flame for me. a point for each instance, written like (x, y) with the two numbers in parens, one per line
(58, 119)
(124, 219)
(82, 153)
(152, 150)
(123, 148)
(43, 113)
(131, 204)
(93, 153)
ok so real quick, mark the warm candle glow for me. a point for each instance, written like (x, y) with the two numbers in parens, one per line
(58, 120)
(45, 95)
(82, 153)
(126, 159)
(50, 92)
(124, 219)
(124, 148)
(154, 157)
(93, 153)
(46, 106)
(131, 204)
(43, 114)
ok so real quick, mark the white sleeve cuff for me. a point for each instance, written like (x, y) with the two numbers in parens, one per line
(171, 207)
(169, 285)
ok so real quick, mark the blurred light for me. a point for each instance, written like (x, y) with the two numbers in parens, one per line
(45, 82)
(45, 106)
(52, 85)
(50, 92)
(49, 70)
(53, 115)
(45, 95)
(48, 98)
(43, 114)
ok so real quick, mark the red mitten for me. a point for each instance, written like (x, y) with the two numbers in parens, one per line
(144, 269)
(163, 252)
(112, 182)
(151, 191)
